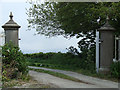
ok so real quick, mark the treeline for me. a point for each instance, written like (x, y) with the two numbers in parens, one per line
(60, 60)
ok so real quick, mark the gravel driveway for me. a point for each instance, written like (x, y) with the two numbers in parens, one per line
(58, 82)
(63, 83)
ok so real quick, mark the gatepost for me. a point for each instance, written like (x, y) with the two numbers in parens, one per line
(11, 31)
(106, 47)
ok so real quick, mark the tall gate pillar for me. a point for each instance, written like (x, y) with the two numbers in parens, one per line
(11, 31)
(106, 47)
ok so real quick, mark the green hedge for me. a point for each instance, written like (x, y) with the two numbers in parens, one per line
(13, 62)
(115, 69)
(59, 59)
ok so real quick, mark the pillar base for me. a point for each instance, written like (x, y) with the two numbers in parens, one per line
(104, 70)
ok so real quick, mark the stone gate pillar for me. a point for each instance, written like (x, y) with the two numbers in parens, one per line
(106, 47)
(11, 31)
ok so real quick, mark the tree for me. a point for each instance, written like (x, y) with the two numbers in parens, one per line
(70, 19)
(59, 18)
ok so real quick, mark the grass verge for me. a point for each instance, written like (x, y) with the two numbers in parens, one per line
(60, 75)
(97, 75)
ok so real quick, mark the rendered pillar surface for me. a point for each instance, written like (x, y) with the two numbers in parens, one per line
(11, 31)
(106, 50)
(106, 47)
(11, 35)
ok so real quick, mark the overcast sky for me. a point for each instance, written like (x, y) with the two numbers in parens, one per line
(30, 43)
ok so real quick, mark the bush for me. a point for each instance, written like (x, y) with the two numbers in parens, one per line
(62, 60)
(14, 62)
(115, 69)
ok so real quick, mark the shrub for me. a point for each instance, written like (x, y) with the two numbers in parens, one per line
(84, 60)
(14, 61)
(115, 69)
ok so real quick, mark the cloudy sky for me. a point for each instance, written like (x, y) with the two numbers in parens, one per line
(29, 42)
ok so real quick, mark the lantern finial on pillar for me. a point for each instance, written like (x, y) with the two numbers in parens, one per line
(11, 16)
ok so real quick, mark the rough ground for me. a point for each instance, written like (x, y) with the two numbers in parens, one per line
(57, 82)
(63, 83)
(33, 84)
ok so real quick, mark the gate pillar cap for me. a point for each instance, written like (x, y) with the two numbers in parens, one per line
(10, 24)
(107, 26)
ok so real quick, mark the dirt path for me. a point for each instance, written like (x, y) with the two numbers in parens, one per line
(63, 83)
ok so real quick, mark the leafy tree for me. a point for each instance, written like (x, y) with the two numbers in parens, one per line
(74, 19)
(71, 18)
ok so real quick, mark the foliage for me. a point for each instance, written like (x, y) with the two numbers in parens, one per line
(73, 50)
(72, 62)
(61, 60)
(74, 19)
(56, 18)
(40, 55)
(115, 69)
(14, 62)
